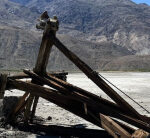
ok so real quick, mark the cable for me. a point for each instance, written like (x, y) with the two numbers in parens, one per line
(123, 92)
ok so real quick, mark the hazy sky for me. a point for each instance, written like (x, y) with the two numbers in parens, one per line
(142, 1)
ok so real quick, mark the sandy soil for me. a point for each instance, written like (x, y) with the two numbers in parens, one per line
(135, 85)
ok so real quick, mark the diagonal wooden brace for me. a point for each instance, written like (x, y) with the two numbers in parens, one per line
(94, 77)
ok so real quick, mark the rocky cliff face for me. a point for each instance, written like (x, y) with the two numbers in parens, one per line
(20, 48)
(13, 14)
(119, 21)
(108, 35)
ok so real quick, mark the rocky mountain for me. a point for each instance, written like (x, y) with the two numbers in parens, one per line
(21, 47)
(17, 47)
(107, 35)
(119, 21)
(13, 14)
(129, 63)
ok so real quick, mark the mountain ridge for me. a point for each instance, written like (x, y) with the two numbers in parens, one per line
(120, 21)
(102, 33)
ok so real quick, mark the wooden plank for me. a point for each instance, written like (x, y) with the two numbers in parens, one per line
(113, 128)
(94, 77)
(3, 82)
(61, 75)
(18, 76)
(10, 87)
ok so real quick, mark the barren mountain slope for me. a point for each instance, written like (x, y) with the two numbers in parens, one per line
(13, 14)
(119, 21)
(119, 29)
(20, 48)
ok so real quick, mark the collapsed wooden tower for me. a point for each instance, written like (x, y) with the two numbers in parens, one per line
(80, 102)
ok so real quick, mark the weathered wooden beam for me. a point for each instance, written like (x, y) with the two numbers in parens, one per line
(89, 94)
(100, 108)
(113, 128)
(11, 87)
(22, 75)
(73, 105)
(60, 100)
(55, 97)
(70, 93)
(67, 88)
(135, 122)
(3, 82)
(116, 126)
(128, 128)
(18, 76)
(42, 61)
(61, 75)
(43, 55)
(94, 77)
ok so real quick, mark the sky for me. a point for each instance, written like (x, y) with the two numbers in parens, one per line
(142, 1)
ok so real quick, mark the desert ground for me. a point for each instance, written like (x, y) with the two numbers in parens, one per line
(135, 84)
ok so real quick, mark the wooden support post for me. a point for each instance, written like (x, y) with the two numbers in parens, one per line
(94, 77)
(43, 56)
(41, 64)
